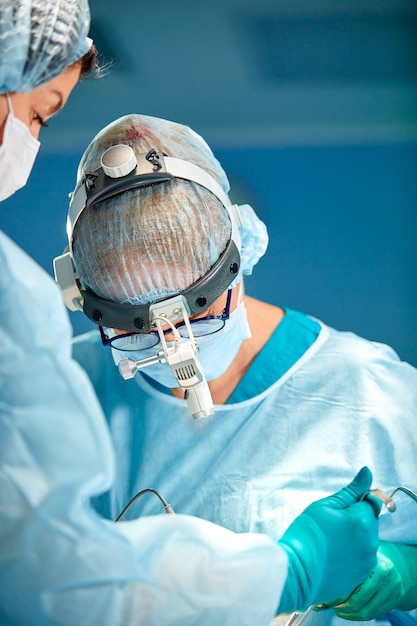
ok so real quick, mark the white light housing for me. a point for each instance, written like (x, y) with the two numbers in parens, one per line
(118, 161)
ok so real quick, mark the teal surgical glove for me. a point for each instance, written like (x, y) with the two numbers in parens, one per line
(391, 584)
(331, 547)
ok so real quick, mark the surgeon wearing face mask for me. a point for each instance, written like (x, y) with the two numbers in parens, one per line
(218, 342)
(34, 88)
(44, 51)
(157, 259)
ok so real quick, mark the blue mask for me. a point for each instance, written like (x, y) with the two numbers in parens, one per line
(216, 351)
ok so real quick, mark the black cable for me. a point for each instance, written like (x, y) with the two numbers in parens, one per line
(168, 508)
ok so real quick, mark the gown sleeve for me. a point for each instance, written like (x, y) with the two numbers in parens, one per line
(60, 562)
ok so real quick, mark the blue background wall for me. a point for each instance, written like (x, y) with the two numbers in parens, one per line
(342, 224)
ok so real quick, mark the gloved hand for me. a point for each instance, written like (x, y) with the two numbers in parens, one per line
(391, 584)
(331, 546)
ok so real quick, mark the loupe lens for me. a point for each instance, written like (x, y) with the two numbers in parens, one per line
(130, 343)
(202, 327)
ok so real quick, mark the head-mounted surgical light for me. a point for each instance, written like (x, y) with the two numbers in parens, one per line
(118, 161)
(121, 170)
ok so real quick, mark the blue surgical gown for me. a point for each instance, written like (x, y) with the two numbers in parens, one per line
(61, 562)
(315, 406)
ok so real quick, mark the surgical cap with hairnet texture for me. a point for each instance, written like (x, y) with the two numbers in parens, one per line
(39, 39)
(153, 242)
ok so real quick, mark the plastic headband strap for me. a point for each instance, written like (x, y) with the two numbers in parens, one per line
(151, 168)
(135, 318)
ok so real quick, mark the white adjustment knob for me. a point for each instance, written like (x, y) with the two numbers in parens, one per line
(118, 161)
(127, 368)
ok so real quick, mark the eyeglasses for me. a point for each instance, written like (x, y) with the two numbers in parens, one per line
(201, 326)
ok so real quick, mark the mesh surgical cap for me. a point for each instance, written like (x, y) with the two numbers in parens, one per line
(152, 242)
(39, 39)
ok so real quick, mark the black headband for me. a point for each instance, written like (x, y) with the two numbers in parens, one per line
(135, 317)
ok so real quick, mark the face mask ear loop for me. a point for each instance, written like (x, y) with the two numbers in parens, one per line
(241, 292)
(9, 102)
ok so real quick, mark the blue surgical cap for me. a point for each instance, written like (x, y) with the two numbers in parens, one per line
(153, 242)
(39, 39)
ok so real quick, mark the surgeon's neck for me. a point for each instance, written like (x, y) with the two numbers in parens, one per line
(263, 319)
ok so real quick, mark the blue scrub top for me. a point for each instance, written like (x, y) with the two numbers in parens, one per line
(291, 339)
(315, 406)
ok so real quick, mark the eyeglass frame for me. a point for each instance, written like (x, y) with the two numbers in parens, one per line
(107, 341)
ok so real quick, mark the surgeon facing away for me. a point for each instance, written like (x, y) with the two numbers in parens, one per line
(60, 563)
(236, 411)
